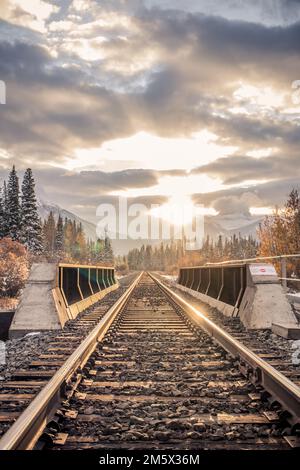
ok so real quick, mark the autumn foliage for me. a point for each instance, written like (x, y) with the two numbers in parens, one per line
(279, 234)
(13, 267)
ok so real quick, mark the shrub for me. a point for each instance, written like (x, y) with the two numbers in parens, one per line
(13, 267)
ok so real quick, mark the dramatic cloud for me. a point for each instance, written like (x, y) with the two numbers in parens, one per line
(84, 77)
(243, 168)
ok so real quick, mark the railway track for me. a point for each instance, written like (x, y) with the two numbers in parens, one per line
(271, 353)
(18, 387)
(155, 374)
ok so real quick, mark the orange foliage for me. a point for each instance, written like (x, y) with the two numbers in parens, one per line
(13, 267)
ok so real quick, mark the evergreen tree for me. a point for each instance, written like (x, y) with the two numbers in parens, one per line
(68, 236)
(49, 234)
(5, 204)
(80, 242)
(148, 258)
(13, 206)
(59, 237)
(31, 230)
(168, 257)
(280, 233)
(108, 251)
(219, 247)
(97, 253)
(2, 212)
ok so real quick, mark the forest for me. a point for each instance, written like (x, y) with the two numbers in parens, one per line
(278, 234)
(25, 238)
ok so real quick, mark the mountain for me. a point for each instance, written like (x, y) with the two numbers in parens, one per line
(44, 209)
(230, 224)
(225, 225)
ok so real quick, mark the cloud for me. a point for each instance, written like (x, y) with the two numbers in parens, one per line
(271, 12)
(119, 68)
(32, 14)
(238, 169)
(178, 97)
(96, 183)
(259, 195)
(236, 204)
(230, 205)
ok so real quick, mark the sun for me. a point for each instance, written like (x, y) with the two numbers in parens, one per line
(180, 210)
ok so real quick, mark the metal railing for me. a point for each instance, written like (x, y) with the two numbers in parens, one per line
(256, 369)
(281, 258)
(78, 282)
(226, 284)
(24, 433)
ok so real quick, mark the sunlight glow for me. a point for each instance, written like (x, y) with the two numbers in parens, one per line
(264, 96)
(86, 49)
(147, 151)
(180, 210)
(172, 186)
(31, 14)
(261, 210)
(261, 153)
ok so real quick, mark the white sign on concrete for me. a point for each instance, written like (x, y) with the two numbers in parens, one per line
(263, 270)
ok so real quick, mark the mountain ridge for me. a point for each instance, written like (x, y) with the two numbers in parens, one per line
(225, 225)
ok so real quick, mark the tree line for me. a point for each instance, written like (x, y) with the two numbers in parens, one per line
(19, 218)
(163, 257)
(51, 240)
(279, 233)
(168, 257)
(65, 239)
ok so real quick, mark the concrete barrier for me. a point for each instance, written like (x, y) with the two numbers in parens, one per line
(55, 294)
(251, 291)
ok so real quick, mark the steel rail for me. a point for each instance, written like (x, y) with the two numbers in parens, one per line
(24, 433)
(244, 260)
(253, 367)
(259, 258)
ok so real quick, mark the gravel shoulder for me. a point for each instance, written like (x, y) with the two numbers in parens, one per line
(20, 352)
(270, 341)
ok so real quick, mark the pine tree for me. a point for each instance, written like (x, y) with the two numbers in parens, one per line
(59, 238)
(49, 233)
(108, 251)
(80, 242)
(219, 247)
(2, 212)
(168, 257)
(13, 206)
(4, 207)
(68, 237)
(148, 258)
(31, 229)
(98, 250)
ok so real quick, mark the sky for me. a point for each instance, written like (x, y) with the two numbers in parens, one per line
(154, 100)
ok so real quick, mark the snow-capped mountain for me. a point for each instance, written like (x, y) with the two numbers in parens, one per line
(225, 225)
(230, 224)
(44, 209)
